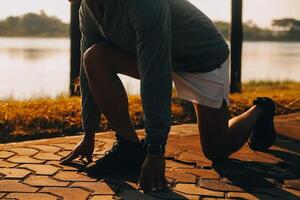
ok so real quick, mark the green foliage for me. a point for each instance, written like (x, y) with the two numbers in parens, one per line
(290, 30)
(286, 23)
(42, 25)
(290, 26)
(223, 27)
(34, 25)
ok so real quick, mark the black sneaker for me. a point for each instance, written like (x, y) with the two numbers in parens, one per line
(125, 157)
(264, 135)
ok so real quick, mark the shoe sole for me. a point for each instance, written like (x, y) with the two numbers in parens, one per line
(265, 135)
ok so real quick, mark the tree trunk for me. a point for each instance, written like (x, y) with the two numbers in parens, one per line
(236, 45)
(75, 49)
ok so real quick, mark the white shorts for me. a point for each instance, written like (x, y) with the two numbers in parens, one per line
(208, 89)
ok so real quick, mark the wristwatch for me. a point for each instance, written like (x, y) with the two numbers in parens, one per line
(155, 149)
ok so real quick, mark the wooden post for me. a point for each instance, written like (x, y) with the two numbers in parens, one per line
(236, 45)
(75, 58)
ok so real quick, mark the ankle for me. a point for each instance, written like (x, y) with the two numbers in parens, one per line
(258, 110)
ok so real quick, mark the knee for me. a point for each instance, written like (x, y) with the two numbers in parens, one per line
(215, 154)
(96, 58)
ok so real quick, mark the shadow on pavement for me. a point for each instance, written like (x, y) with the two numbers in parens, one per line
(262, 180)
(126, 186)
(288, 143)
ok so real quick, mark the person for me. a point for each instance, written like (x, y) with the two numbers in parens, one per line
(159, 41)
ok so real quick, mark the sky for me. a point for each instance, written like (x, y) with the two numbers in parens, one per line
(260, 12)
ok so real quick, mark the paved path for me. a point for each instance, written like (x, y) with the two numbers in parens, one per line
(30, 170)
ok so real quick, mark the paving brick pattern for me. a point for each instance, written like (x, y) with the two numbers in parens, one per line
(30, 170)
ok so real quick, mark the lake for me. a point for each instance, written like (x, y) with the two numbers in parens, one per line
(37, 67)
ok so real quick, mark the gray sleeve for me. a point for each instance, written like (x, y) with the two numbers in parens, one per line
(90, 112)
(151, 21)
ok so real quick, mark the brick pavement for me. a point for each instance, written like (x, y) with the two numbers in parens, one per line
(30, 170)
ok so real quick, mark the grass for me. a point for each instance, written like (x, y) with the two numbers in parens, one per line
(45, 117)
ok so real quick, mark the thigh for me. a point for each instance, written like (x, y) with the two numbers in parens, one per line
(118, 60)
(213, 130)
(209, 89)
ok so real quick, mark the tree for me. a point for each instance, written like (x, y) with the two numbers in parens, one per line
(287, 23)
(34, 25)
(290, 26)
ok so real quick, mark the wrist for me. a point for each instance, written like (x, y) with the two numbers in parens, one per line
(151, 156)
(89, 135)
(155, 150)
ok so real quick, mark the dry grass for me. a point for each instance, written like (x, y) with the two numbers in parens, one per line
(41, 118)
(286, 95)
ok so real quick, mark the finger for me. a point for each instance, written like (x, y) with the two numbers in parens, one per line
(148, 186)
(89, 158)
(162, 184)
(145, 183)
(81, 158)
(160, 181)
(169, 183)
(70, 157)
(142, 182)
(153, 185)
(157, 182)
(65, 157)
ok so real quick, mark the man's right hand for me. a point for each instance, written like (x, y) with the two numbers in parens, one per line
(84, 149)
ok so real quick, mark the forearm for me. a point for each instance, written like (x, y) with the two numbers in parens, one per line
(156, 99)
(152, 23)
(91, 114)
(89, 135)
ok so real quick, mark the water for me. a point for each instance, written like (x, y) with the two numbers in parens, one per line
(35, 67)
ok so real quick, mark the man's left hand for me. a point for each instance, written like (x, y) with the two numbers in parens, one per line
(152, 177)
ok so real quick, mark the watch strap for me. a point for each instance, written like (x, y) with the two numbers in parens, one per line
(155, 149)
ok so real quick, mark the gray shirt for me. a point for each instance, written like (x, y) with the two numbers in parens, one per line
(164, 35)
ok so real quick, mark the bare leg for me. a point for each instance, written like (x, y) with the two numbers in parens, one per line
(241, 126)
(102, 63)
(219, 138)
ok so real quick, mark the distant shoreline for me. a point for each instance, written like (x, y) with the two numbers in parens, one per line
(33, 37)
(64, 37)
(283, 30)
